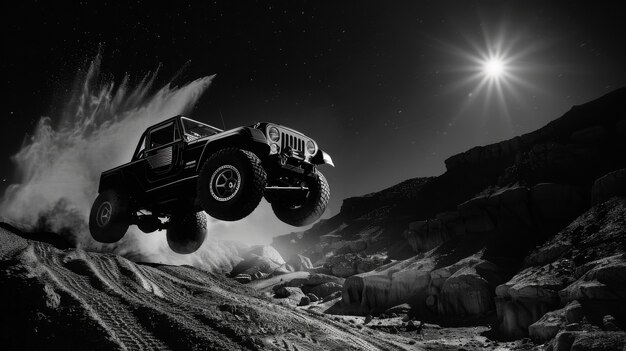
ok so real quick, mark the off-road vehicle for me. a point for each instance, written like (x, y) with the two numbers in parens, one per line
(182, 167)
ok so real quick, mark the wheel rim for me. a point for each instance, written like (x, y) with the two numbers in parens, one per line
(104, 214)
(225, 183)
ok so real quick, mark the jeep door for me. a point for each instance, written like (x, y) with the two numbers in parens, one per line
(162, 156)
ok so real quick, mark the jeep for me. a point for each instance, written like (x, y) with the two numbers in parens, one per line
(182, 167)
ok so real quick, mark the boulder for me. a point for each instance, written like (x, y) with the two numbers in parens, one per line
(547, 326)
(573, 312)
(464, 288)
(300, 263)
(312, 297)
(604, 279)
(465, 293)
(254, 265)
(315, 279)
(326, 289)
(342, 266)
(609, 185)
(368, 319)
(304, 301)
(390, 285)
(291, 295)
(531, 293)
(286, 291)
(260, 259)
(410, 327)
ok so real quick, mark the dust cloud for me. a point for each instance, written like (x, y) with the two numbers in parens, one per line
(60, 164)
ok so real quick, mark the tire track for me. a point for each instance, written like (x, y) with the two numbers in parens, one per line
(118, 320)
(118, 304)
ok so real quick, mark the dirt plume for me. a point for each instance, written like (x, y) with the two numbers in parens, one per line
(60, 164)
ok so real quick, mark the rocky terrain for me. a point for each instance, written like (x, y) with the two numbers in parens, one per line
(60, 298)
(56, 297)
(518, 245)
(515, 235)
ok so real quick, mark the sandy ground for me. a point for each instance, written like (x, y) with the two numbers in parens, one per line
(71, 299)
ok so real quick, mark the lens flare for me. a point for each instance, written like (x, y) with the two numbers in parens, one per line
(494, 68)
(497, 73)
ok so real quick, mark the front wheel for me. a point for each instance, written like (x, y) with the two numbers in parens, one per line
(304, 212)
(231, 184)
(110, 216)
(186, 232)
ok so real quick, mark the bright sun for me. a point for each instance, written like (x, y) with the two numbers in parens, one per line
(494, 68)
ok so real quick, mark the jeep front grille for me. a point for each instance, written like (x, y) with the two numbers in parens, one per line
(293, 141)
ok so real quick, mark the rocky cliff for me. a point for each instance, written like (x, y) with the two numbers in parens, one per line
(462, 247)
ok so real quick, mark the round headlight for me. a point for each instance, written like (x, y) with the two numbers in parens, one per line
(273, 134)
(311, 148)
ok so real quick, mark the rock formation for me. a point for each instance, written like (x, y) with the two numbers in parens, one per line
(512, 231)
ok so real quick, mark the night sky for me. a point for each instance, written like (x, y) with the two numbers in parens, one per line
(389, 89)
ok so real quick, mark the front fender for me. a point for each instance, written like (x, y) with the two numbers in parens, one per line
(242, 137)
(322, 158)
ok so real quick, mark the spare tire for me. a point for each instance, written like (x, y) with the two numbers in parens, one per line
(110, 216)
(304, 212)
(231, 184)
(186, 232)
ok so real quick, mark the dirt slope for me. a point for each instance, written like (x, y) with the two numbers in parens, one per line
(72, 299)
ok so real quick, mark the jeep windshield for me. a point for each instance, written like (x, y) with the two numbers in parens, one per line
(194, 130)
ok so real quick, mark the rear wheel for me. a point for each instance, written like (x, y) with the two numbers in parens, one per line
(186, 232)
(110, 216)
(231, 184)
(305, 211)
